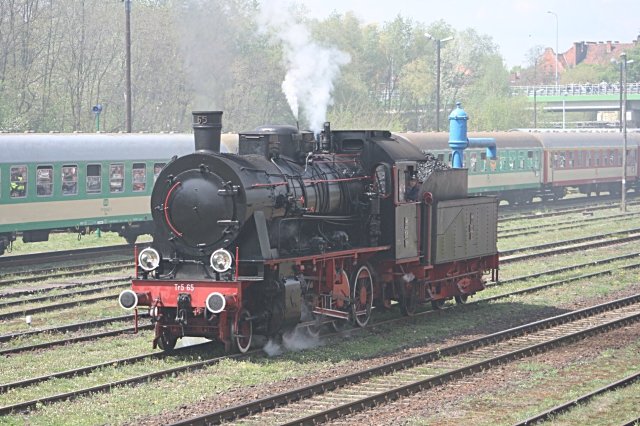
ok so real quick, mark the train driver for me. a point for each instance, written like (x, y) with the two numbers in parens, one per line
(413, 190)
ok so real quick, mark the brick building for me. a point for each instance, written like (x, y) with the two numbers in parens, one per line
(585, 52)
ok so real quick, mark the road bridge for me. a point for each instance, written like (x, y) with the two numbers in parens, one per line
(587, 97)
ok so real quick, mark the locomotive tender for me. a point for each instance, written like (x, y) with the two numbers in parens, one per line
(297, 229)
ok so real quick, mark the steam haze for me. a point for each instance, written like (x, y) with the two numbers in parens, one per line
(311, 68)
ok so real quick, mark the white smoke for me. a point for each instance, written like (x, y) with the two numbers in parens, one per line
(311, 68)
(294, 340)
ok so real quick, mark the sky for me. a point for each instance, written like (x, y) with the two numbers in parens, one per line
(515, 26)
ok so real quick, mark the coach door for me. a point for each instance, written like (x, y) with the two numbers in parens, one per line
(407, 212)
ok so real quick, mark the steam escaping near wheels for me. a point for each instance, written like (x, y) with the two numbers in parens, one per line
(294, 340)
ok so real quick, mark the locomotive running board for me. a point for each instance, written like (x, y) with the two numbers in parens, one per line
(331, 313)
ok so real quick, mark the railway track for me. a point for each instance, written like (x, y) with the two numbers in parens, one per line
(124, 250)
(561, 211)
(202, 364)
(75, 271)
(549, 414)
(342, 396)
(562, 226)
(583, 243)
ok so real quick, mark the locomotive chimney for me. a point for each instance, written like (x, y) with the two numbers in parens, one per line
(207, 127)
(325, 138)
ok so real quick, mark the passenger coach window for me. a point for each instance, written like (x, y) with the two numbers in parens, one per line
(157, 168)
(139, 174)
(116, 177)
(18, 183)
(94, 178)
(44, 181)
(69, 180)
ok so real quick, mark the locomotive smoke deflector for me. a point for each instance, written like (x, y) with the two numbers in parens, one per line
(207, 130)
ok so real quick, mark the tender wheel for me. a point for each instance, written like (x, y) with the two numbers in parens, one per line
(462, 299)
(437, 304)
(242, 331)
(167, 342)
(408, 298)
(362, 296)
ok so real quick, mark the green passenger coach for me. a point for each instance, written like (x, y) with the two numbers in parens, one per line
(515, 176)
(80, 182)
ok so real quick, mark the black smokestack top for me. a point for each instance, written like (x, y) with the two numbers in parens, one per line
(207, 127)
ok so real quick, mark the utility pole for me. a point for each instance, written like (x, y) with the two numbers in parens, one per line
(438, 46)
(127, 94)
(623, 114)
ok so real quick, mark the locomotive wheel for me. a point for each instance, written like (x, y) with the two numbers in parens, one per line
(408, 298)
(340, 325)
(241, 331)
(462, 299)
(167, 342)
(362, 296)
(438, 304)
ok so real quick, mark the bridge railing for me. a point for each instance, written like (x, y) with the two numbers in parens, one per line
(572, 89)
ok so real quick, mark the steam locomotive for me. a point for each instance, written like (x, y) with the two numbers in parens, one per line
(303, 229)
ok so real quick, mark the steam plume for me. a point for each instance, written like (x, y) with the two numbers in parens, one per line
(311, 68)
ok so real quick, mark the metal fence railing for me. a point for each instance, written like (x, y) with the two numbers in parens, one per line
(572, 89)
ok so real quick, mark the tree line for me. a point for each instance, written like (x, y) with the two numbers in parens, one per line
(60, 58)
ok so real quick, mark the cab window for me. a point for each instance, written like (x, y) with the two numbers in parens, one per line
(116, 177)
(139, 177)
(94, 178)
(69, 180)
(18, 182)
(44, 181)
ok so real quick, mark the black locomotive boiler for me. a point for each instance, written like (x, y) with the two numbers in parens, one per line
(296, 228)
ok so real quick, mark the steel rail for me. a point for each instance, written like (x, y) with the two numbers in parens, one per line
(559, 409)
(65, 328)
(568, 249)
(564, 269)
(511, 252)
(63, 295)
(91, 368)
(532, 230)
(65, 255)
(29, 291)
(260, 405)
(79, 271)
(201, 364)
(70, 340)
(55, 306)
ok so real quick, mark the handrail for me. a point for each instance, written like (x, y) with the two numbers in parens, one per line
(574, 89)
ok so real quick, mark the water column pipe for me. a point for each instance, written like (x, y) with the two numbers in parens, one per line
(458, 140)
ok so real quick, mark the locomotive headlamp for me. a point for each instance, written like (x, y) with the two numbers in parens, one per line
(149, 259)
(221, 260)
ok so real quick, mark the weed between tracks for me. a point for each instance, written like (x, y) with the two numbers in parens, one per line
(230, 382)
(70, 242)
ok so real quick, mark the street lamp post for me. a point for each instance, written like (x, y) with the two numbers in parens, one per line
(127, 95)
(564, 96)
(623, 117)
(556, 15)
(438, 46)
